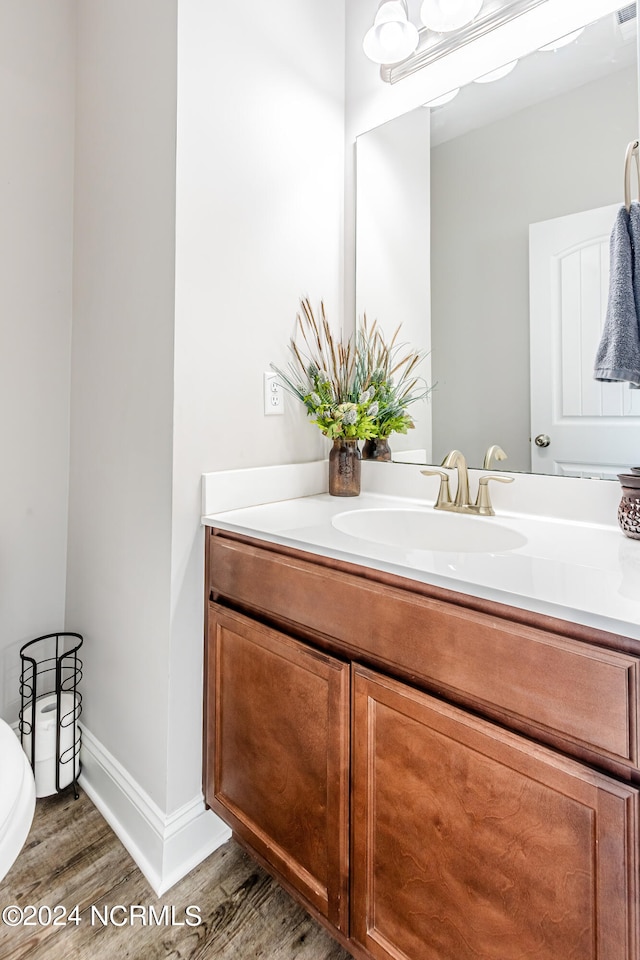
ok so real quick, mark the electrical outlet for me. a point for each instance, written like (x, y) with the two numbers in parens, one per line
(273, 399)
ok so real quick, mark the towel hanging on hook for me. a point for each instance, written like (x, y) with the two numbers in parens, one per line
(632, 151)
(618, 354)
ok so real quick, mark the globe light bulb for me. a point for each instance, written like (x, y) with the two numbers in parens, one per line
(446, 15)
(391, 38)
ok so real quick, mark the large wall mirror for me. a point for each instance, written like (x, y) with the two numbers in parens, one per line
(483, 226)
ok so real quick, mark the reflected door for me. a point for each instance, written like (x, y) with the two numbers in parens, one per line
(573, 415)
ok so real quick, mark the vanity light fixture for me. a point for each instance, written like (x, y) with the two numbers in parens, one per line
(496, 74)
(392, 38)
(516, 26)
(562, 41)
(446, 15)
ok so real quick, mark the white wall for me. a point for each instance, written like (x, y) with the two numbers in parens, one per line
(36, 178)
(119, 560)
(259, 224)
(186, 286)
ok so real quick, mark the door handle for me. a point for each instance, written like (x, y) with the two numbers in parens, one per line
(542, 440)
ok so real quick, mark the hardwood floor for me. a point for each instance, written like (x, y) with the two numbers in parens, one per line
(73, 857)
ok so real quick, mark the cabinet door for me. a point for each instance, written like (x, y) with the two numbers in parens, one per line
(472, 843)
(277, 764)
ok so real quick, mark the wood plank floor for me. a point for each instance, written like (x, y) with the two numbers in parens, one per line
(73, 857)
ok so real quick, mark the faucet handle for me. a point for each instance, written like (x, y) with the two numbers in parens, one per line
(483, 502)
(444, 494)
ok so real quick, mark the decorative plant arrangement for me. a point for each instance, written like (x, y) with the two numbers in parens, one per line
(351, 392)
(390, 373)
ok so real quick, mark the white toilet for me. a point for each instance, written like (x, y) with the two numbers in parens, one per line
(17, 797)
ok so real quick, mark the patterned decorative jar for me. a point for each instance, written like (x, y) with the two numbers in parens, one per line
(344, 467)
(629, 508)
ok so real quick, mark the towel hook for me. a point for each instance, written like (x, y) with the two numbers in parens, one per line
(632, 151)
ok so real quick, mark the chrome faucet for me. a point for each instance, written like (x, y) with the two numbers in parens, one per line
(462, 504)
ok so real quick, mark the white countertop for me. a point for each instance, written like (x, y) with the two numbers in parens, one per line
(587, 573)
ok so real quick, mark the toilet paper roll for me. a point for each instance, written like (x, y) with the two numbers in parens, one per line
(45, 758)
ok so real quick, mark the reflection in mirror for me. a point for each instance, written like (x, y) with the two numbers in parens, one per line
(393, 244)
(446, 200)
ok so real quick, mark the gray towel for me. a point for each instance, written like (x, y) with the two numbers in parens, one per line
(618, 356)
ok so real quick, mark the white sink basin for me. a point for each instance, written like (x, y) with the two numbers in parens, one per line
(415, 529)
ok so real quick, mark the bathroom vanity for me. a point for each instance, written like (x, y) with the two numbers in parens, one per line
(433, 773)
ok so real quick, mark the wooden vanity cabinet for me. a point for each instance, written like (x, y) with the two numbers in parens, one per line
(372, 742)
(470, 841)
(277, 763)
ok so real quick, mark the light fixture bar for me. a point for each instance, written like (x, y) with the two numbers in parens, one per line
(445, 44)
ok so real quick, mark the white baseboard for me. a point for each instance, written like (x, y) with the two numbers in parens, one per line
(165, 847)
